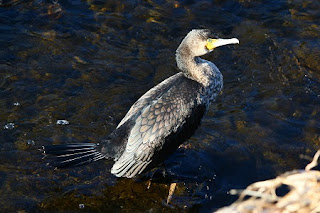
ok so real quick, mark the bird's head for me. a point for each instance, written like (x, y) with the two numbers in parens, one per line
(201, 41)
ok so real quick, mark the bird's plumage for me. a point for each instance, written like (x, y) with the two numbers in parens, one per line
(178, 99)
(162, 119)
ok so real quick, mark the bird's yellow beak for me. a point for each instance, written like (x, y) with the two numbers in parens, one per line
(213, 43)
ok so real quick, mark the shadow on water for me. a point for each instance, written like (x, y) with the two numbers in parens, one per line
(87, 62)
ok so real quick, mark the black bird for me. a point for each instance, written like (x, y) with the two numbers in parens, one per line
(162, 119)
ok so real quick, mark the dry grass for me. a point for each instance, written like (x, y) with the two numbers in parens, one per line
(303, 193)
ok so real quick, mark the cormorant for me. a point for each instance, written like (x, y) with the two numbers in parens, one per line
(162, 119)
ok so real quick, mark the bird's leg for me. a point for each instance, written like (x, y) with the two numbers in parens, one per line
(150, 179)
(163, 173)
(149, 184)
(172, 185)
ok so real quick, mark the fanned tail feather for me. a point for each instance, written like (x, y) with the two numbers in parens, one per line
(70, 155)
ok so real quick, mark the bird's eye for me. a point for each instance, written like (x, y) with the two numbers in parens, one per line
(209, 40)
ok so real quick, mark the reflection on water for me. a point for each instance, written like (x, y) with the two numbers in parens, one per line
(86, 62)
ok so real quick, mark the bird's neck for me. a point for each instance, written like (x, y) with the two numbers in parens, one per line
(195, 68)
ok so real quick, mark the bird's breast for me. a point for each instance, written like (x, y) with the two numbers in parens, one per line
(214, 84)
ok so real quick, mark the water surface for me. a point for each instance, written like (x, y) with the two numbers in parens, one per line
(87, 62)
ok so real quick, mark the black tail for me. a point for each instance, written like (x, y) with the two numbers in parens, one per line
(72, 154)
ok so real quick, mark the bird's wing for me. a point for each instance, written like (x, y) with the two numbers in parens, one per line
(153, 94)
(156, 121)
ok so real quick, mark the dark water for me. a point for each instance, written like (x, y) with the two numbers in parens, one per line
(87, 62)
